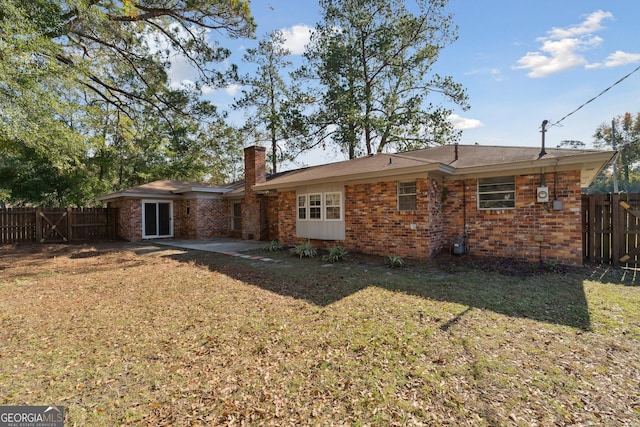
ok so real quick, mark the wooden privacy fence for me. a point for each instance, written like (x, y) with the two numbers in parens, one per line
(611, 228)
(57, 225)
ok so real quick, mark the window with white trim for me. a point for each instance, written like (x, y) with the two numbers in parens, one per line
(407, 196)
(497, 193)
(332, 206)
(302, 206)
(320, 206)
(315, 206)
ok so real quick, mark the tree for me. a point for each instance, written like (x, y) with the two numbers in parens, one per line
(84, 85)
(120, 156)
(373, 61)
(272, 97)
(623, 134)
(572, 144)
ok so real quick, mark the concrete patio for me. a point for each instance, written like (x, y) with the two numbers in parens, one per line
(223, 245)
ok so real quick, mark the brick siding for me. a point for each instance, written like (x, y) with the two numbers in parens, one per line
(509, 233)
(254, 213)
(375, 226)
(273, 208)
(206, 219)
(286, 217)
(130, 218)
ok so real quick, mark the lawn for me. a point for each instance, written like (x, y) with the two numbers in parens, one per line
(125, 334)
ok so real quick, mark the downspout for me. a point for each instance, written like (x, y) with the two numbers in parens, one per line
(463, 239)
(464, 208)
(460, 244)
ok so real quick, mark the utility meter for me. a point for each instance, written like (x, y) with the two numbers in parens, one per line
(543, 194)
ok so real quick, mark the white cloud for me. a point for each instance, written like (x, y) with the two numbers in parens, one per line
(232, 89)
(183, 84)
(206, 90)
(296, 38)
(619, 58)
(590, 25)
(562, 47)
(494, 73)
(462, 123)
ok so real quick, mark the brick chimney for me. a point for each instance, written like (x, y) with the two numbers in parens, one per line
(255, 172)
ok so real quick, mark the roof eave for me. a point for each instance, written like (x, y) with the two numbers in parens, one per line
(200, 190)
(603, 157)
(440, 168)
(138, 195)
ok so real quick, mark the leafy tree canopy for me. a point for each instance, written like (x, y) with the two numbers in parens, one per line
(273, 99)
(622, 134)
(374, 61)
(85, 81)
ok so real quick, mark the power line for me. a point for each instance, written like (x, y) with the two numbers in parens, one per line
(597, 96)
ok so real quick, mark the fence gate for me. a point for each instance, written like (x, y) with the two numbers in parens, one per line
(57, 225)
(611, 228)
(52, 225)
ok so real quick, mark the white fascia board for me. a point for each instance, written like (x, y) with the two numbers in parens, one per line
(201, 190)
(578, 161)
(199, 196)
(123, 195)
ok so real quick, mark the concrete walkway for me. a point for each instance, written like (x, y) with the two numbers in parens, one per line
(224, 246)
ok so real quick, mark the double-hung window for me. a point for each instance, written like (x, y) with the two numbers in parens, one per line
(302, 206)
(315, 206)
(407, 196)
(497, 193)
(332, 206)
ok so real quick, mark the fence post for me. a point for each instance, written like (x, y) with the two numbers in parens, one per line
(592, 228)
(617, 227)
(69, 224)
(39, 225)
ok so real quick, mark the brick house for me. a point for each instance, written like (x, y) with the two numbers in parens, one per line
(508, 202)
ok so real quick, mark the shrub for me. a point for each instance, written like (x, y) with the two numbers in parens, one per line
(395, 261)
(337, 253)
(305, 250)
(273, 246)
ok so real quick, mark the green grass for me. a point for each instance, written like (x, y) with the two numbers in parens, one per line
(144, 336)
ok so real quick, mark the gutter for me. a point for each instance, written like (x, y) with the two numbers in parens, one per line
(169, 196)
(600, 157)
(383, 173)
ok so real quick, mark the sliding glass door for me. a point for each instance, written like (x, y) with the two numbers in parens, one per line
(157, 219)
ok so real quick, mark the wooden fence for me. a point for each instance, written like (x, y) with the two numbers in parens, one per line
(57, 225)
(611, 229)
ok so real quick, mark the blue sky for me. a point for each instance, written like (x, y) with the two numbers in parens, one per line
(521, 62)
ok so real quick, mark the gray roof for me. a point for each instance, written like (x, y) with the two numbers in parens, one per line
(442, 160)
(167, 188)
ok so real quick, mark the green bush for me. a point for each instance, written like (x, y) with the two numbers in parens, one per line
(273, 246)
(394, 261)
(305, 250)
(337, 253)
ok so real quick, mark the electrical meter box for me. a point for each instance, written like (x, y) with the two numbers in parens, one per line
(543, 194)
